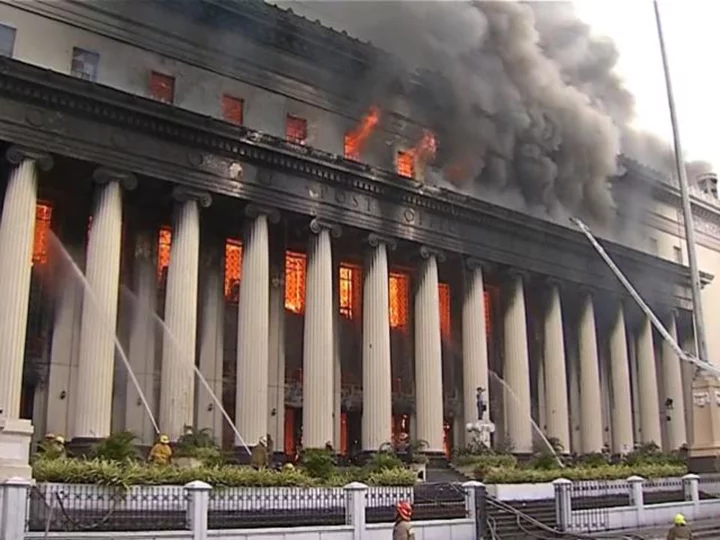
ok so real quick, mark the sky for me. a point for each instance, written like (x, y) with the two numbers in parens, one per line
(689, 27)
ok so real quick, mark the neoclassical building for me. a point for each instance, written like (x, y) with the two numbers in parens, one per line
(226, 217)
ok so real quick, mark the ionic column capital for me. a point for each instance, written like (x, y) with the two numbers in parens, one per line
(317, 225)
(16, 154)
(374, 240)
(473, 263)
(553, 282)
(517, 273)
(105, 175)
(427, 251)
(253, 210)
(184, 194)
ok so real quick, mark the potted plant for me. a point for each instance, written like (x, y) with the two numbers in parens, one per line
(417, 460)
(196, 448)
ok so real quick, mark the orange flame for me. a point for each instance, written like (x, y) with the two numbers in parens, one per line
(355, 139)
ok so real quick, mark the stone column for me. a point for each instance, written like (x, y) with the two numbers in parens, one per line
(621, 407)
(647, 383)
(673, 379)
(336, 440)
(144, 329)
(96, 362)
(516, 369)
(177, 389)
(318, 348)
(276, 395)
(251, 399)
(212, 331)
(590, 398)
(556, 400)
(377, 376)
(474, 343)
(428, 353)
(17, 235)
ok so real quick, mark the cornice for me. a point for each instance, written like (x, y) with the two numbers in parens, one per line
(44, 107)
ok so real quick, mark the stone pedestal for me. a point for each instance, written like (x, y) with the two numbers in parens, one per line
(15, 440)
(705, 449)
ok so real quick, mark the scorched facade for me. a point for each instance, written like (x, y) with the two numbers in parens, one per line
(254, 222)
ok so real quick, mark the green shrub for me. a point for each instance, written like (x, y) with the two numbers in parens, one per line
(383, 461)
(114, 473)
(318, 463)
(544, 461)
(606, 472)
(117, 447)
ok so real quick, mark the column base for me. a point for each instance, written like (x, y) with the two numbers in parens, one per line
(15, 441)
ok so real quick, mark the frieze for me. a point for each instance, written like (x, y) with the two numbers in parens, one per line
(158, 144)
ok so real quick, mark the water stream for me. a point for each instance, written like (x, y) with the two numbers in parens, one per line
(57, 245)
(127, 293)
(535, 427)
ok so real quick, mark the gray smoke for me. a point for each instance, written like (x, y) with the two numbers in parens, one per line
(526, 97)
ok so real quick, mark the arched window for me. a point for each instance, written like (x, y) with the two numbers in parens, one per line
(399, 300)
(295, 274)
(233, 269)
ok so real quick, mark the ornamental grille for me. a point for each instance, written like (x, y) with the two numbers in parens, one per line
(445, 322)
(399, 300)
(295, 275)
(164, 243)
(233, 269)
(350, 291)
(43, 219)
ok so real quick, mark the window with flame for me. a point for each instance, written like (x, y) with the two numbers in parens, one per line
(399, 300)
(350, 291)
(445, 328)
(233, 269)
(43, 219)
(352, 149)
(405, 163)
(295, 274)
(233, 109)
(488, 294)
(164, 243)
(162, 87)
(296, 129)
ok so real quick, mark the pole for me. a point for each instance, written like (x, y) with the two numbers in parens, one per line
(686, 206)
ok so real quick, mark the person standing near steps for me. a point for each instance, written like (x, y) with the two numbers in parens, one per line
(680, 529)
(403, 527)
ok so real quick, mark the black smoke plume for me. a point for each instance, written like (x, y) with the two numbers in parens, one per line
(527, 98)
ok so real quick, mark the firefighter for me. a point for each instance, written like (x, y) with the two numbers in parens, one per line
(403, 527)
(161, 453)
(680, 529)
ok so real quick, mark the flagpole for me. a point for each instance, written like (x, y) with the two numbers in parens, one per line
(686, 206)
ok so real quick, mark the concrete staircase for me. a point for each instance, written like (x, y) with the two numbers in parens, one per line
(521, 520)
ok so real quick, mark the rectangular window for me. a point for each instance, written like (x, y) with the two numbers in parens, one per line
(296, 129)
(232, 109)
(295, 271)
(677, 251)
(43, 218)
(352, 150)
(445, 323)
(233, 269)
(350, 291)
(654, 249)
(164, 246)
(399, 289)
(84, 64)
(162, 87)
(405, 164)
(7, 40)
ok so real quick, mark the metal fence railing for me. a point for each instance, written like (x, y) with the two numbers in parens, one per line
(76, 507)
